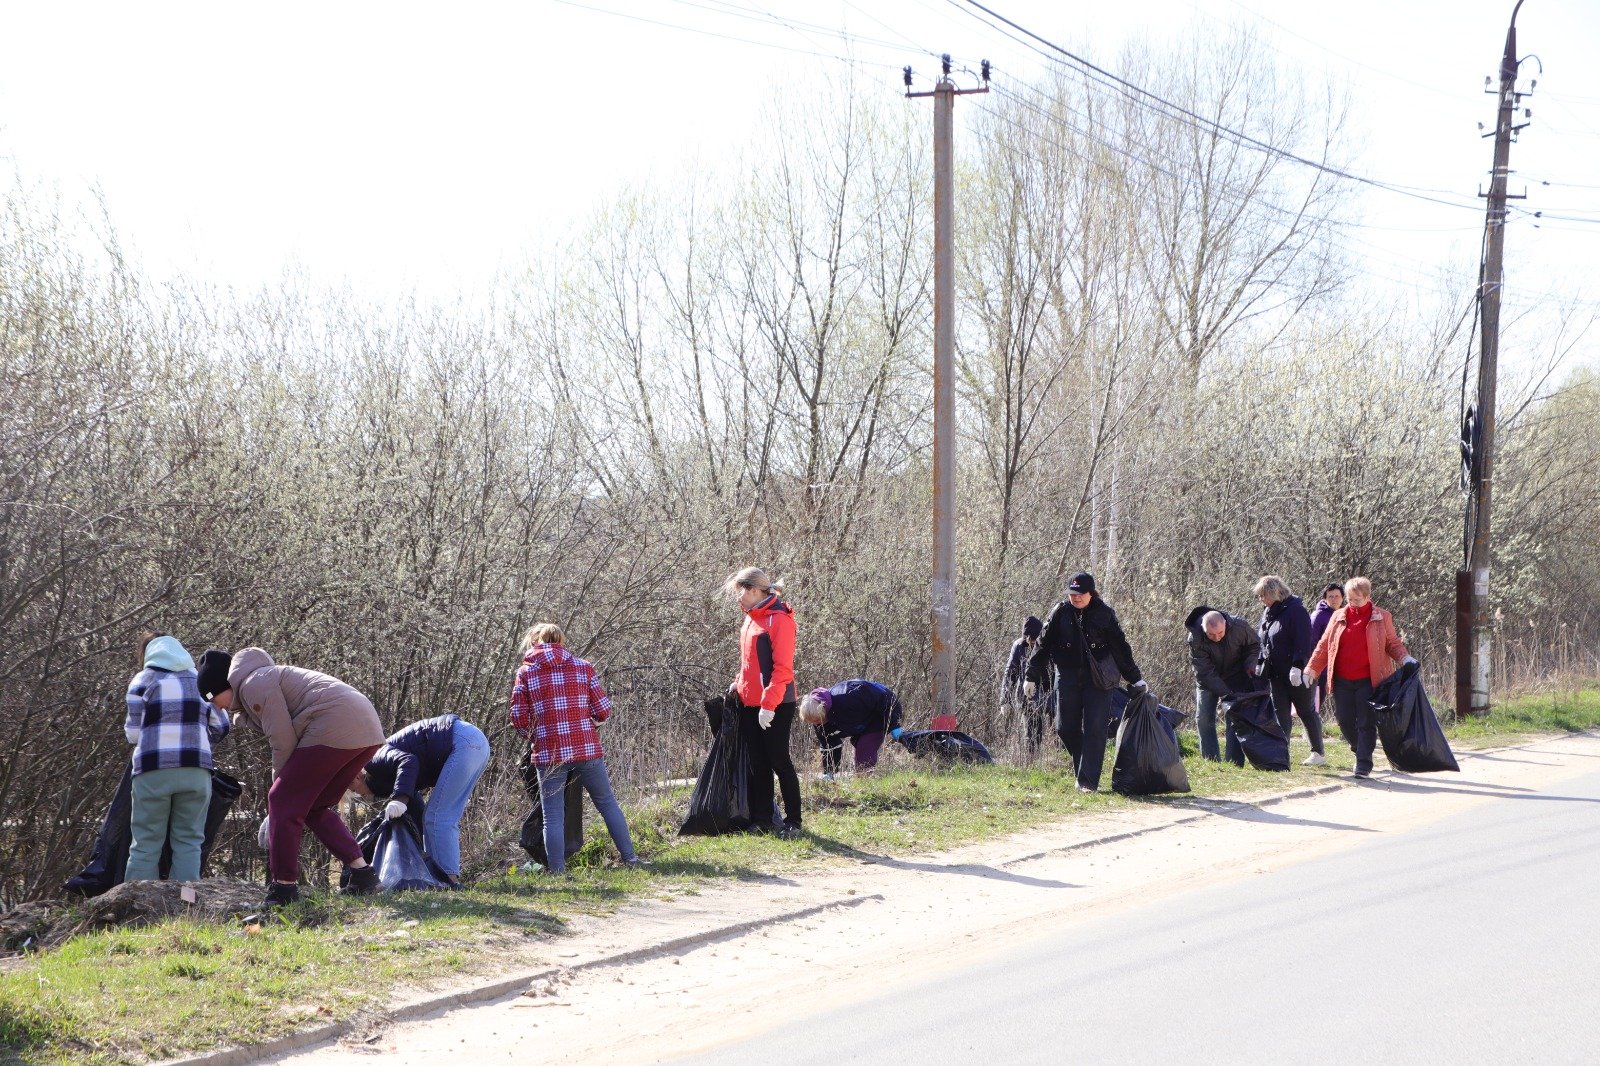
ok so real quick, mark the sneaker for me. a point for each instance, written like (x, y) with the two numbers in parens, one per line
(282, 895)
(1086, 788)
(1315, 759)
(1360, 774)
(636, 863)
(788, 832)
(363, 882)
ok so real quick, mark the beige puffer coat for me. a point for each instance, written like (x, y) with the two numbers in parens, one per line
(295, 707)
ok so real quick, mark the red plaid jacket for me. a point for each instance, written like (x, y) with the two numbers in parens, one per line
(557, 696)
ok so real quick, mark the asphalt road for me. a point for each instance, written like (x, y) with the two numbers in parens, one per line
(1472, 940)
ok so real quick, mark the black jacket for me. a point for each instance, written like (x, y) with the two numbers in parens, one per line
(1222, 666)
(862, 706)
(1285, 633)
(1060, 646)
(410, 760)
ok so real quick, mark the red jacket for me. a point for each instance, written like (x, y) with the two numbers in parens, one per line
(1384, 648)
(766, 655)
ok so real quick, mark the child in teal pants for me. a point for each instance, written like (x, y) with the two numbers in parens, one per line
(171, 728)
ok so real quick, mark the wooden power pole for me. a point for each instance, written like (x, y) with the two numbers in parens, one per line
(944, 390)
(1474, 658)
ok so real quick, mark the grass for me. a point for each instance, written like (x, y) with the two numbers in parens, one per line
(133, 995)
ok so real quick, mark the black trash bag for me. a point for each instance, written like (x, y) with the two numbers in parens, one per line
(394, 847)
(1148, 758)
(532, 839)
(947, 745)
(1119, 704)
(108, 862)
(400, 860)
(721, 799)
(1252, 720)
(1412, 738)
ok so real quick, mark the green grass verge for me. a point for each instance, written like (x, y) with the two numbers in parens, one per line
(135, 995)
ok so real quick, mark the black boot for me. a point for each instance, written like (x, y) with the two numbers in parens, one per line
(363, 882)
(282, 895)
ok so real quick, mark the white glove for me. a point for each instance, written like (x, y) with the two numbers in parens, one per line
(1029, 688)
(1139, 685)
(395, 809)
(1308, 678)
(765, 717)
(1297, 677)
(1408, 660)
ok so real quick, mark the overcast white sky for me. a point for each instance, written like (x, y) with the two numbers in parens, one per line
(396, 145)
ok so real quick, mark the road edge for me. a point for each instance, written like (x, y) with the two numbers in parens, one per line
(421, 1008)
(465, 997)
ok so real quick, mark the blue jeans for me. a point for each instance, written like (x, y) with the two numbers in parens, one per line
(1205, 702)
(441, 824)
(552, 798)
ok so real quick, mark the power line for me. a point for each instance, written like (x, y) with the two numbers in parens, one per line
(853, 60)
(1156, 102)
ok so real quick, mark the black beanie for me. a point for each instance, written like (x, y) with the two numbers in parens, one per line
(213, 670)
(1081, 582)
(1032, 627)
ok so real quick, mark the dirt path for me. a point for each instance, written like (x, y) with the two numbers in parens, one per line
(935, 913)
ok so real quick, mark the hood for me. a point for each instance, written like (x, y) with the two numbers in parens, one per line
(770, 606)
(167, 653)
(548, 654)
(246, 662)
(1192, 622)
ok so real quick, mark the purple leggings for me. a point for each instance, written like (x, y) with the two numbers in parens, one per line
(304, 795)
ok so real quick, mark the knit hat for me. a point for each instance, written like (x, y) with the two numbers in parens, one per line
(1081, 583)
(823, 696)
(214, 665)
(1032, 627)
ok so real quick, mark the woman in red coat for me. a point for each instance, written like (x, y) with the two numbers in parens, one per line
(1359, 650)
(766, 691)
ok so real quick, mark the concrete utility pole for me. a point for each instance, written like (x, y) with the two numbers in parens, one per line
(1474, 658)
(944, 389)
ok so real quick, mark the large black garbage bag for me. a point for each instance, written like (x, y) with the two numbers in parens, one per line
(108, 862)
(949, 745)
(721, 799)
(394, 847)
(1251, 719)
(1148, 759)
(1412, 738)
(1119, 705)
(532, 839)
(398, 855)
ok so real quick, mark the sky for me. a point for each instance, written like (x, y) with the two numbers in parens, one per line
(404, 146)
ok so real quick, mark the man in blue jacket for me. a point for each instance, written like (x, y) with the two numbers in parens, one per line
(859, 709)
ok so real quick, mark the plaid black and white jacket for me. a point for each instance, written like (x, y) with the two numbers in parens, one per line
(169, 724)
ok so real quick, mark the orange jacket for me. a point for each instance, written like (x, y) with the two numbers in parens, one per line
(766, 655)
(1384, 650)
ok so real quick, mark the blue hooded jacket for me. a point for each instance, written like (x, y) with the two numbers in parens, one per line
(412, 759)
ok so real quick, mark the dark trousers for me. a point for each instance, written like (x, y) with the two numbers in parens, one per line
(1035, 713)
(1288, 699)
(769, 754)
(1353, 709)
(1082, 711)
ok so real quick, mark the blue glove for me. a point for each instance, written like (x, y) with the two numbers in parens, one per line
(896, 731)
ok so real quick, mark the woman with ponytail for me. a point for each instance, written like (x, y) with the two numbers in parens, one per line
(766, 691)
